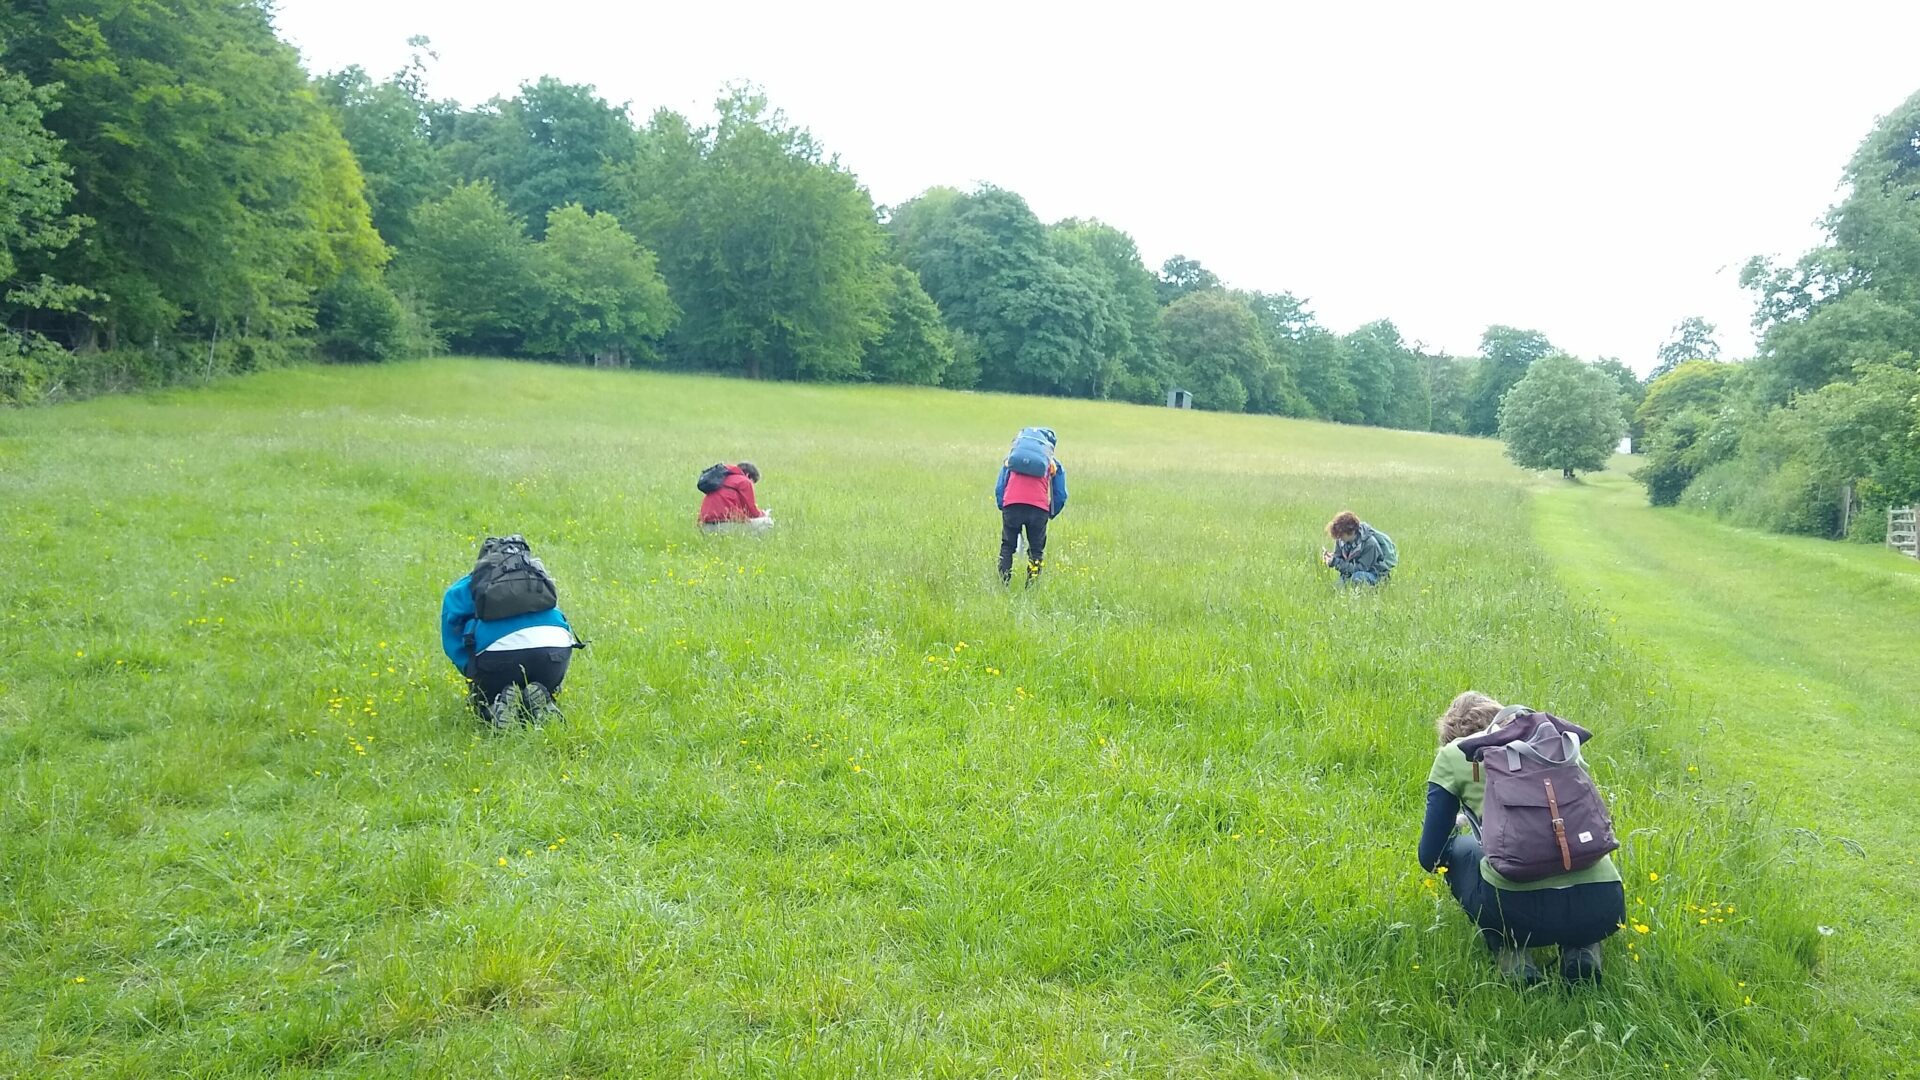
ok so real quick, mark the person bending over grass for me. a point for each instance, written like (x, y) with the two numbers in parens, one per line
(1362, 554)
(731, 505)
(1575, 910)
(1031, 491)
(501, 626)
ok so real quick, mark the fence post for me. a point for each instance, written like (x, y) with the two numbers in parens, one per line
(1903, 532)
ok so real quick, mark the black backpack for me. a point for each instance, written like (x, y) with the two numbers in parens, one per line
(509, 580)
(712, 479)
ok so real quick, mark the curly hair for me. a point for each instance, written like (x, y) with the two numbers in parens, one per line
(1344, 523)
(1469, 714)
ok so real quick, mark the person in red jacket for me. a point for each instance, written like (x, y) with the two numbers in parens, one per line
(1027, 504)
(732, 504)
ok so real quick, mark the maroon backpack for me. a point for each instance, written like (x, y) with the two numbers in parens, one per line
(1542, 815)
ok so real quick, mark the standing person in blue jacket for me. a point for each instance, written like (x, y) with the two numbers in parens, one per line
(1029, 496)
(515, 660)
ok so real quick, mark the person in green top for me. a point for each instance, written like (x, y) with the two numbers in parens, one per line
(1575, 911)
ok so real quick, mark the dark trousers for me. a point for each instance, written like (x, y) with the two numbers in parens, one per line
(1013, 520)
(493, 672)
(1571, 917)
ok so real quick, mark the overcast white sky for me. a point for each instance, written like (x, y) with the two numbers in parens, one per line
(1595, 171)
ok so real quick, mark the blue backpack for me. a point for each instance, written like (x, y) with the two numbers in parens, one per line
(1032, 453)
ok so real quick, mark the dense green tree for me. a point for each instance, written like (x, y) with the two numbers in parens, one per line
(551, 144)
(1216, 347)
(1506, 353)
(34, 191)
(1385, 377)
(1678, 419)
(995, 272)
(1696, 385)
(386, 124)
(1562, 414)
(222, 194)
(1632, 392)
(915, 346)
(598, 294)
(1449, 381)
(470, 263)
(771, 248)
(1132, 344)
(1308, 372)
(358, 319)
(1865, 431)
(1692, 339)
(1181, 276)
(1855, 300)
(1412, 408)
(1793, 461)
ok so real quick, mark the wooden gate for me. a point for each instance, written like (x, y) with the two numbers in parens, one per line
(1902, 536)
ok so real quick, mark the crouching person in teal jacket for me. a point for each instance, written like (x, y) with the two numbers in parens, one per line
(514, 666)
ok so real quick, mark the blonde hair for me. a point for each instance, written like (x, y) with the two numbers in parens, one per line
(1469, 714)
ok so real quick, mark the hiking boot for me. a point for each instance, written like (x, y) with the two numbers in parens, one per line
(1516, 965)
(505, 710)
(1581, 965)
(539, 704)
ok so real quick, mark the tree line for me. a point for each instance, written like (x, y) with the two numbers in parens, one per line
(1822, 427)
(179, 199)
(183, 200)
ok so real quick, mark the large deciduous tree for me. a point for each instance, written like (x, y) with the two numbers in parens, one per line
(552, 144)
(1691, 339)
(772, 249)
(1562, 414)
(1678, 417)
(1309, 362)
(1856, 299)
(387, 125)
(915, 346)
(1216, 347)
(1131, 347)
(1181, 276)
(1506, 353)
(1039, 323)
(222, 194)
(597, 293)
(33, 197)
(470, 263)
(1386, 379)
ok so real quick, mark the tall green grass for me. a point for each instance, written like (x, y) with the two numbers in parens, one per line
(827, 803)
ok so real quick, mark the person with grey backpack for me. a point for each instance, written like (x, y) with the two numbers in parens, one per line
(1362, 554)
(501, 626)
(1534, 867)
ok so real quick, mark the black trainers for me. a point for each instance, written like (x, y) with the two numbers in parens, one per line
(1517, 966)
(505, 710)
(539, 704)
(1581, 965)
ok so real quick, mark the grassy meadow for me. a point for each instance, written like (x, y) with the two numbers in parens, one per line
(832, 802)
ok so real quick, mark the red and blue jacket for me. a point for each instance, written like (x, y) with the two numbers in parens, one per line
(1019, 489)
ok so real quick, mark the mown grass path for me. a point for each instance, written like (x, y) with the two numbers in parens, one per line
(1800, 662)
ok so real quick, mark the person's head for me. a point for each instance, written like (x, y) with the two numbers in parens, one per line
(1470, 714)
(1344, 526)
(752, 470)
(1047, 434)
